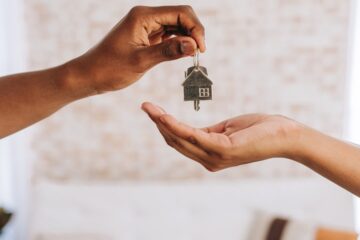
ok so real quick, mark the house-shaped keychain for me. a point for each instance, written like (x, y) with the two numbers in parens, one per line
(197, 85)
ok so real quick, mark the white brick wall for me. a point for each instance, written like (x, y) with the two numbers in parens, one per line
(271, 56)
(274, 56)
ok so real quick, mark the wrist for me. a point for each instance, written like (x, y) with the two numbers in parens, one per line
(73, 80)
(304, 144)
(296, 138)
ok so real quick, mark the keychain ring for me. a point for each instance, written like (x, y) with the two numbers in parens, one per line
(196, 58)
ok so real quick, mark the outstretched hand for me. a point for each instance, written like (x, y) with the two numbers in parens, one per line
(233, 142)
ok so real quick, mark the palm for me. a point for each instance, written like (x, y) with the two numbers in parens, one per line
(251, 137)
(232, 142)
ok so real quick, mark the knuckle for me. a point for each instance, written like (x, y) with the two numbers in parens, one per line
(172, 142)
(192, 140)
(136, 10)
(168, 142)
(186, 8)
(175, 141)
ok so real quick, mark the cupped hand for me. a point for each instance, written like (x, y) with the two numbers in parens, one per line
(145, 37)
(240, 140)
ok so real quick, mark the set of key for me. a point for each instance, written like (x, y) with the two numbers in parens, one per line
(197, 85)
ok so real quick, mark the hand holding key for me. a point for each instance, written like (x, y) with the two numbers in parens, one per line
(145, 37)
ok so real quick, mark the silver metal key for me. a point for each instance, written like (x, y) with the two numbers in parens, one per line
(197, 85)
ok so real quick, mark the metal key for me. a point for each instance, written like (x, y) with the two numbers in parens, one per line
(197, 85)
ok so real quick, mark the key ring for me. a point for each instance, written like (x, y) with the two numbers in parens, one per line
(196, 58)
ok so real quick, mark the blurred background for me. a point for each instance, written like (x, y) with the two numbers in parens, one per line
(98, 169)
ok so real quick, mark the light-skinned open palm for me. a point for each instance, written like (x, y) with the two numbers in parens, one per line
(232, 142)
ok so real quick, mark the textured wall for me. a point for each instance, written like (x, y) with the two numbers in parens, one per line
(96, 161)
(274, 56)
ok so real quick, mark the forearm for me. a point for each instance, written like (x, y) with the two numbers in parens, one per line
(137, 43)
(332, 158)
(26, 98)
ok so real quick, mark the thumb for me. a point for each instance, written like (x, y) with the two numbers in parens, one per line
(170, 49)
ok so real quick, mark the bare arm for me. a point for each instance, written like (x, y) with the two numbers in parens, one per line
(29, 97)
(255, 137)
(145, 37)
(334, 159)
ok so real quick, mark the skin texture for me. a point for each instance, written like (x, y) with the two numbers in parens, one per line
(250, 138)
(145, 37)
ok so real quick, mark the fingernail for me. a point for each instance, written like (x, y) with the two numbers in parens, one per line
(186, 48)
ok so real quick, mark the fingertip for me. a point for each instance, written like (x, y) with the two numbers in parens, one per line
(154, 112)
(188, 46)
(144, 106)
(199, 44)
(203, 46)
(199, 35)
(149, 108)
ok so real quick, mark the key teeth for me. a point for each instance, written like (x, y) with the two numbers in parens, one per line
(197, 105)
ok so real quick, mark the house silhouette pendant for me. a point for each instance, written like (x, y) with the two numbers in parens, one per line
(197, 85)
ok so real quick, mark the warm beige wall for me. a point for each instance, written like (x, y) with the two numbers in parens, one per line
(274, 56)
